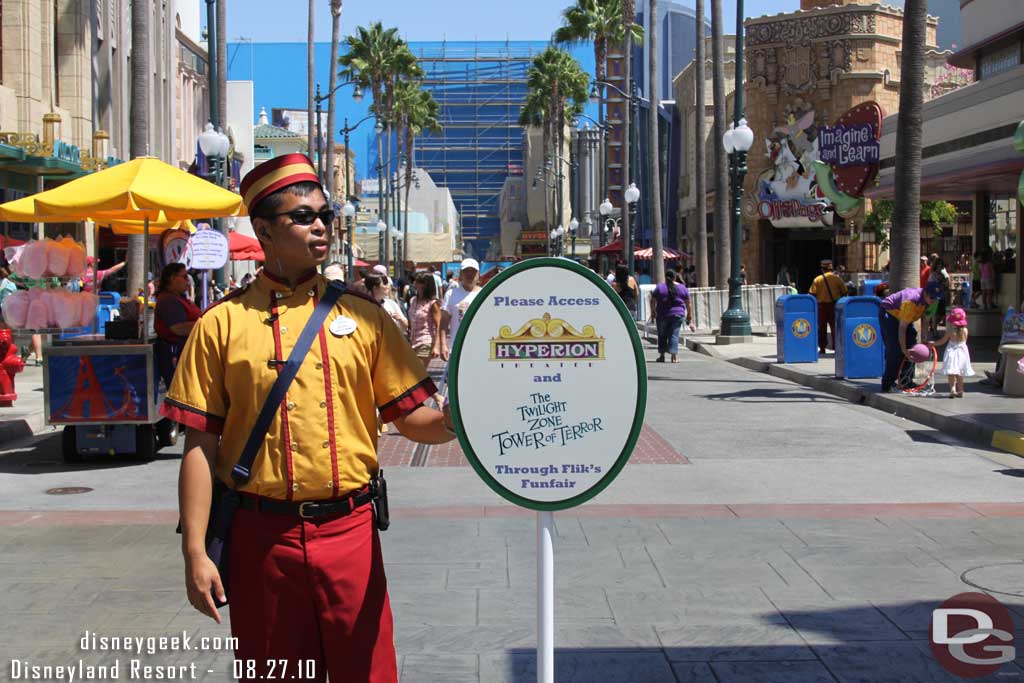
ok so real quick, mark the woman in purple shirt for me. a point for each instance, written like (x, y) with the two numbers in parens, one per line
(670, 306)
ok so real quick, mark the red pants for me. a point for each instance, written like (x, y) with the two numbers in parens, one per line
(826, 321)
(302, 591)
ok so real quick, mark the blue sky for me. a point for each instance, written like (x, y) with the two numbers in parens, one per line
(268, 20)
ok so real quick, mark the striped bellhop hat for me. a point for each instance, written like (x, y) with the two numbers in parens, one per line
(276, 174)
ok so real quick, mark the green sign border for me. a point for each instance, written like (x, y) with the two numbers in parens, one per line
(641, 394)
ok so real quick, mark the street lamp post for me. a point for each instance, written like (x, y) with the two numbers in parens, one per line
(605, 208)
(574, 225)
(382, 229)
(738, 140)
(346, 131)
(557, 235)
(379, 128)
(633, 101)
(357, 97)
(632, 195)
(215, 146)
(349, 211)
(396, 235)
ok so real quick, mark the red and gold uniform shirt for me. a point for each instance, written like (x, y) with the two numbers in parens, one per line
(322, 442)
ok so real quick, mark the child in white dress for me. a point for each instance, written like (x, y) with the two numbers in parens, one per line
(956, 362)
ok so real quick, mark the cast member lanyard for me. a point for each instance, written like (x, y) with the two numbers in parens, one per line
(243, 469)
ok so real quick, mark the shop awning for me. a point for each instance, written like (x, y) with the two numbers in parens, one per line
(244, 248)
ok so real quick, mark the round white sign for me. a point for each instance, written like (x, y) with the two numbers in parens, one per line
(209, 249)
(548, 384)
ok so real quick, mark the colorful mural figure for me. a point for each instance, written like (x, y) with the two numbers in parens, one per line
(787, 192)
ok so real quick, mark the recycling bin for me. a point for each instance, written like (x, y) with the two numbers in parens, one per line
(867, 288)
(859, 349)
(796, 328)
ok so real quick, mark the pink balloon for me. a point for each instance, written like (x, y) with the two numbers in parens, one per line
(919, 353)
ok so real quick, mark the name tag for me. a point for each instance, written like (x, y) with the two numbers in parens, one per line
(342, 326)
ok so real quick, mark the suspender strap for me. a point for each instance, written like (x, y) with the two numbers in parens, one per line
(824, 276)
(241, 472)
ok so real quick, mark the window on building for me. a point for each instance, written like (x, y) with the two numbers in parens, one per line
(1002, 223)
(999, 60)
(870, 256)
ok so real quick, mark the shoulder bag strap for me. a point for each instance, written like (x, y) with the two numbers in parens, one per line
(831, 296)
(241, 472)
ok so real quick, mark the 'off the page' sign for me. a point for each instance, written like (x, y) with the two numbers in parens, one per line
(548, 390)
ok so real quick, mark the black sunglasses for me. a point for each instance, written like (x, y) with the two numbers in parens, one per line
(308, 216)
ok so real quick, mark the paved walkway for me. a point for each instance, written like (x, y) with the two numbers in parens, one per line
(985, 415)
(795, 537)
(25, 417)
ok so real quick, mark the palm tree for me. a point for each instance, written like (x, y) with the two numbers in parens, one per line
(534, 114)
(139, 132)
(335, 38)
(722, 244)
(598, 22)
(310, 63)
(222, 63)
(560, 80)
(367, 61)
(417, 112)
(654, 151)
(402, 67)
(906, 218)
(628, 20)
(700, 170)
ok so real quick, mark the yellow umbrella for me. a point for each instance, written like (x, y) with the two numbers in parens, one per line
(23, 211)
(135, 190)
(155, 227)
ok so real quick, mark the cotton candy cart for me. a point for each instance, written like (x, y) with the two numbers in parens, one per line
(106, 392)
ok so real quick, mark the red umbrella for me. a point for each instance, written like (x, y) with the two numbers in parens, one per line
(610, 248)
(244, 248)
(647, 253)
(10, 242)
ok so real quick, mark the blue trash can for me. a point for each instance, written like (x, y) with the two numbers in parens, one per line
(859, 349)
(796, 328)
(109, 301)
(867, 288)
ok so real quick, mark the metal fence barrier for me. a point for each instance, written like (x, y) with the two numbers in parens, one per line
(708, 304)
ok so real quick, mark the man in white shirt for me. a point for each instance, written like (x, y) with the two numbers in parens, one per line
(456, 302)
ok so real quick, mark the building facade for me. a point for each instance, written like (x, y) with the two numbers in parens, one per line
(968, 155)
(65, 91)
(685, 92)
(805, 70)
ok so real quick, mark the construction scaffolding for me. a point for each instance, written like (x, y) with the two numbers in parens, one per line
(480, 87)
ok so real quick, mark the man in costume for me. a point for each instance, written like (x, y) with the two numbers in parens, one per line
(306, 573)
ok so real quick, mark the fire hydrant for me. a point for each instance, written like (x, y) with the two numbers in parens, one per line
(11, 363)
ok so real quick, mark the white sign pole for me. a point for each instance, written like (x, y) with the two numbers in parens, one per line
(545, 597)
(547, 441)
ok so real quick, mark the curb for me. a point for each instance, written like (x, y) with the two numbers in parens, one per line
(954, 425)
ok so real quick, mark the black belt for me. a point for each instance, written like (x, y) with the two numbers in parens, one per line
(309, 509)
